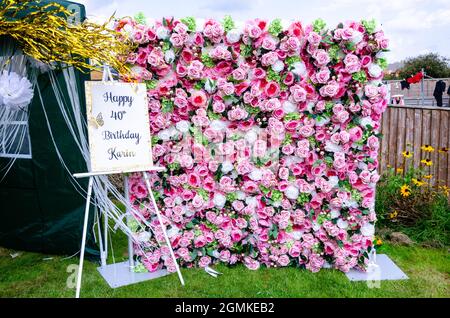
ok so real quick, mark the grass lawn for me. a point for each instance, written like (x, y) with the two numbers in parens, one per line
(30, 275)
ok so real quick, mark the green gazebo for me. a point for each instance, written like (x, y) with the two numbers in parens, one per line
(41, 208)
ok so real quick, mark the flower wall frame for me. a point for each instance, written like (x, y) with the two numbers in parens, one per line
(270, 136)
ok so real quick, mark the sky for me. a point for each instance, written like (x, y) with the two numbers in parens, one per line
(413, 26)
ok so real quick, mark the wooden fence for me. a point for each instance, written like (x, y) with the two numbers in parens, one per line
(409, 128)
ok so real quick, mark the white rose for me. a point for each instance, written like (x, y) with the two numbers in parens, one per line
(278, 66)
(374, 70)
(233, 36)
(366, 121)
(169, 56)
(299, 68)
(255, 175)
(251, 136)
(291, 192)
(316, 226)
(210, 86)
(173, 231)
(297, 235)
(218, 125)
(368, 229)
(219, 200)
(144, 236)
(227, 166)
(362, 165)
(240, 195)
(289, 107)
(342, 224)
(251, 201)
(356, 37)
(333, 181)
(189, 213)
(332, 147)
(162, 33)
(166, 134)
(183, 126)
(334, 213)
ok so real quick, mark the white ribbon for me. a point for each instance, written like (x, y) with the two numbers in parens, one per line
(212, 272)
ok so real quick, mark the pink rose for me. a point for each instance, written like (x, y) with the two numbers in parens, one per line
(321, 57)
(253, 31)
(268, 43)
(199, 241)
(283, 260)
(283, 173)
(269, 58)
(198, 99)
(306, 131)
(204, 261)
(239, 74)
(298, 93)
(250, 263)
(197, 202)
(371, 91)
(272, 89)
(373, 143)
(352, 63)
(323, 75)
(194, 180)
(314, 38)
(329, 90)
(177, 39)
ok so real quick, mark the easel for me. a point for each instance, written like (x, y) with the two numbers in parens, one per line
(91, 176)
(145, 169)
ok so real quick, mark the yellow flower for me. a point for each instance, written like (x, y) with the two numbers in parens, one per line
(399, 170)
(405, 190)
(427, 162)
(445, 189)
(379, 242)
(418, 183)
(443, 150)
(393, 215)
(427, 148)
(407, 154)
(428, 176)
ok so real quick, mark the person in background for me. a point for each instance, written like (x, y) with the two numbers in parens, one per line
(448, 93)
(439, 90)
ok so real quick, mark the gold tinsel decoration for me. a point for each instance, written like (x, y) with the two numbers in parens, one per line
(45, 34)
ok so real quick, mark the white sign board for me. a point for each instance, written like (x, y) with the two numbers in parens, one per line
(118, 127)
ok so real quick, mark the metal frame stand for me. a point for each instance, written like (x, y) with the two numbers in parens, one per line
(130, 243)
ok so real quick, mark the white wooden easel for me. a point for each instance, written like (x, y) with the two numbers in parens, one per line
(91, 176)
(108, 76)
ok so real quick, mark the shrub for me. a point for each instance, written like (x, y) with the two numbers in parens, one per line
(407, 201)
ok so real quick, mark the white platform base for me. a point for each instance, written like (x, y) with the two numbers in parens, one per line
(119, 274)
(386, 270)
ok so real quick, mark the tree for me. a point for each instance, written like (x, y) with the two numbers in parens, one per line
(435, 65)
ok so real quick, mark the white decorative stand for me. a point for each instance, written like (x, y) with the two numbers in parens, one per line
(383, 268)
(119, 274)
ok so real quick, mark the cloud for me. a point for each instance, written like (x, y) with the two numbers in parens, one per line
(228, 6)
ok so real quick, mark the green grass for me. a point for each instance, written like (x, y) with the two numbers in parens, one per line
(29, 275)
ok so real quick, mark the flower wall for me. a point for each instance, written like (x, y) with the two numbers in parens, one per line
(269, 134)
